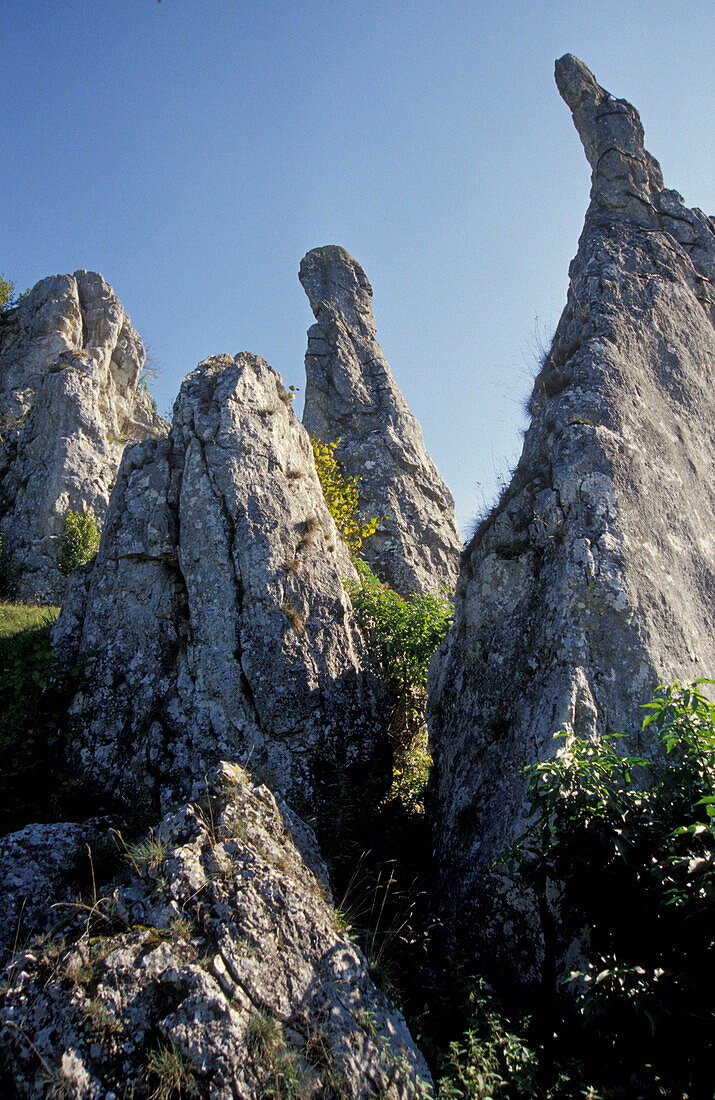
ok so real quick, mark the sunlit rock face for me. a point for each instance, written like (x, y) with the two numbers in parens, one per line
(593, 579)
(70, 401)
(214, 617)
(352, 398)
(222, 955)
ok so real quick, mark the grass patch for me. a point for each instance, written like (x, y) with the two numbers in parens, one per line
(35, 691)
(18, 617)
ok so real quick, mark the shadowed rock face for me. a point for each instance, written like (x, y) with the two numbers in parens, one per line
(224, 949)
(594, 577)
(351, 396)
(70, 401)
(214, 614)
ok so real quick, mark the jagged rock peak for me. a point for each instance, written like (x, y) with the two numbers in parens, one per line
(624, 174)
(215, 612)
(70, 401)
(626, 179)
(224, 952)
(593, 579)
(352, 398)
(333, 280)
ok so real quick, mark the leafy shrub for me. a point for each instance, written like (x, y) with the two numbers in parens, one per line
(7, 293)
(632, 844)
(341, 496)
(35, 690)
(80, 540)
(402, 634)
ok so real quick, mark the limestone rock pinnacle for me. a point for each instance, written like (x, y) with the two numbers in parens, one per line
(215, 613)
(70, 401)
(593, 579)
(351, 396)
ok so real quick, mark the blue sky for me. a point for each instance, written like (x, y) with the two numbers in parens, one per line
(192, 151)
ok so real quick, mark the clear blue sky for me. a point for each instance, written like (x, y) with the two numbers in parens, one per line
(193, 150)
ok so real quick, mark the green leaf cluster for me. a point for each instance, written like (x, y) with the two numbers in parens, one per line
(622, 850)
(7, 292)
(402, 634)
(341, 496)
(80, 540)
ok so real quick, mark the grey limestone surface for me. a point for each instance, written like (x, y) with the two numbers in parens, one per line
(593, 579)
(70, 401)
(352, 399)
(214, 616)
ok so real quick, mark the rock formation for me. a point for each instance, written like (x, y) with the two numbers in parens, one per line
(593, 578)
(220, 961)
(351, 396)
(70, 400)
(214, 616)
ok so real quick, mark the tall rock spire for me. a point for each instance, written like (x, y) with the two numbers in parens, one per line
(351, 396)
(593, 579)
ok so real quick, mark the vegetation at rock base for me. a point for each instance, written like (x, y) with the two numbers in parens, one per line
(80, 540)
(35, 688)
(341, 496)
(402, 634)
(632, 841)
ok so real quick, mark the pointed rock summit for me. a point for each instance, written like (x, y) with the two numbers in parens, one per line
(593, 579)
(351, 398)
(70, 401)
(214, 614)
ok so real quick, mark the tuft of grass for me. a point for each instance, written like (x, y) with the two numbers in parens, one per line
(294, 616)
(169, 1074)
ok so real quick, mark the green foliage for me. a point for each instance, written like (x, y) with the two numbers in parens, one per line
(7, 293)
(341, 496)
(402, 634)
(632, 844)
(490, 1060)
(35, 690)
(80, 540)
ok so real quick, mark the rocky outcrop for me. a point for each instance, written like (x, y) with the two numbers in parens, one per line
(219, 968)
(594, 577)
(70, 400)
(351, 398)
(214, 617)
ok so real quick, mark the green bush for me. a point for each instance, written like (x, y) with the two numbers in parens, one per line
(7, 293)
(632, 844)
(80, 540)
(341, 496)
(402, 634)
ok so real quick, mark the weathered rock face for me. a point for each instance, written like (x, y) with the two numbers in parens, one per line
(215, 616)
(594, 577)
(351, 396)
(221, 958)
(70, 400)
